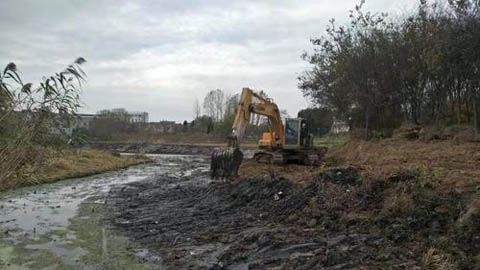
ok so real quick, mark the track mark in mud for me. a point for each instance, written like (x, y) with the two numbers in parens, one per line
(338, 221)
(255, 223)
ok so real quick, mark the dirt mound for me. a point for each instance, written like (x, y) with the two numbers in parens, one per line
(295, 172)
(457, 133)
(407, 131)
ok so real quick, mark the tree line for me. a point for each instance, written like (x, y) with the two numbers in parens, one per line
(377, 72)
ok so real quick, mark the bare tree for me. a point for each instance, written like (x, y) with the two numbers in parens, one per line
(209, 105)
(214, 103)
(197, 110)
(219, 104)
(231, 103)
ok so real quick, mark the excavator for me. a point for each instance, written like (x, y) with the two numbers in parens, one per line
(283, 143)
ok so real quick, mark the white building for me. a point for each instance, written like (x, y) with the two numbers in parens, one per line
(83, 120)
(138, 117)
(339, 126)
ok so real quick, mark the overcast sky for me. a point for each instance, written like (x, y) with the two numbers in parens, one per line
(160, 55)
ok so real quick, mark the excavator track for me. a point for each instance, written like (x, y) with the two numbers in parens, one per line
(268, 157)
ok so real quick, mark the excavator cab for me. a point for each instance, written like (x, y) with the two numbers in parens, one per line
(292, 132)
(297, 134)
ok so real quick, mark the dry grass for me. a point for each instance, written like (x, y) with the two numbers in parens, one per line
(57, 165)
(294, 172)
(434, 259)
(442, 165)
(398, 202)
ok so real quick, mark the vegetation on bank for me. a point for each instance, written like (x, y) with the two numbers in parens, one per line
(37, 144)
(377, 72)
(332, 140)
(54, 165)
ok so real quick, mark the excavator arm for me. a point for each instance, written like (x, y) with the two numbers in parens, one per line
(226, 162)
(250, 102)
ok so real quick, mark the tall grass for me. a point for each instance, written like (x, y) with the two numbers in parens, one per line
(30, 116)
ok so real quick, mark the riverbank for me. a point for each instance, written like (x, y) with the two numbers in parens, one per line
(162, 148)
(59, 165)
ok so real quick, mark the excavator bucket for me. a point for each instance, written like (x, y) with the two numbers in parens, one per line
(225, 162)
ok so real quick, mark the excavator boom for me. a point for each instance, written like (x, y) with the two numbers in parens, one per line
(250, 102)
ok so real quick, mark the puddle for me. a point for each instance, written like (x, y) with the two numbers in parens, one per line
(69, 256)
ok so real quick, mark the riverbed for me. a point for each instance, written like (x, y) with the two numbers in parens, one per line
(36, 222)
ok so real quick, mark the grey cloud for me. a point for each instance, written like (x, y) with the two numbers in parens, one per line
(160, 55)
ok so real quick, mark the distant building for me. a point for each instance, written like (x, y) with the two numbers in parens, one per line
(138, 117)
(66, 125)
(164, 126)
(339, 126)
(83, 120)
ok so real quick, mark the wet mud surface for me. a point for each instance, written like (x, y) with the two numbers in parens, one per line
(335, 222)
(256, 223)
(170, 215)
(41, 222)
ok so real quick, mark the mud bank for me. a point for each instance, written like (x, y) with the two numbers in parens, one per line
(153, 148)
(336, 222)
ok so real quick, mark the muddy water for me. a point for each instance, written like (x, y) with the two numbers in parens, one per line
(28, 214)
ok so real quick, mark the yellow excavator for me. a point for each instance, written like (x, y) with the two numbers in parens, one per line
(283, 143)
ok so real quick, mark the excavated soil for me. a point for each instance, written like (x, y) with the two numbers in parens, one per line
(337, 220)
